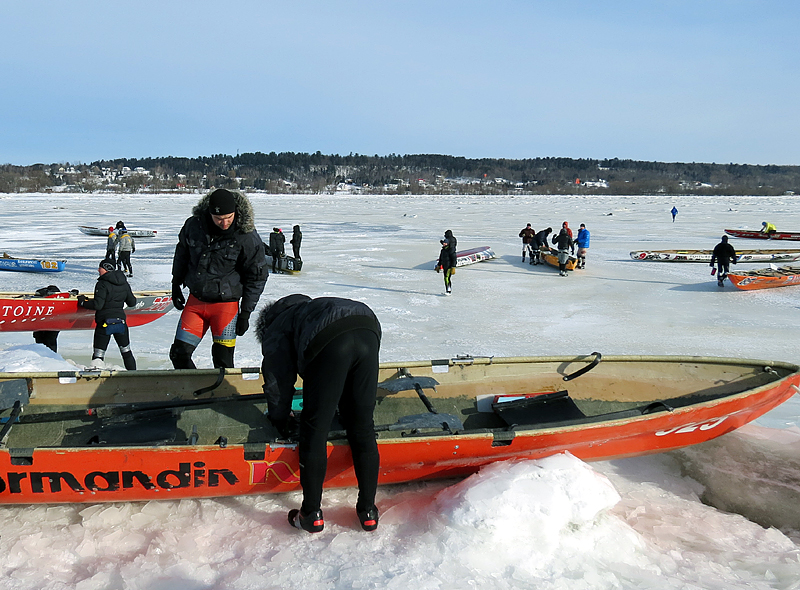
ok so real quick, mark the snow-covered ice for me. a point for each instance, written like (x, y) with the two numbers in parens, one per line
(647, 522)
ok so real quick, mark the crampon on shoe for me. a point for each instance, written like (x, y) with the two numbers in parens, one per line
(368, 518)
(311, 523)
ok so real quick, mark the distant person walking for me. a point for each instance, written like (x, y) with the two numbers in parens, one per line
(582, 241)
(528, 236)
(297, 238)
(111, 293)
(674, 213)
(126, 247)
(723, 255)
(111, 246)
(447, 264)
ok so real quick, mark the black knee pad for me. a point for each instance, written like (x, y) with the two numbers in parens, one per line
(181, 355)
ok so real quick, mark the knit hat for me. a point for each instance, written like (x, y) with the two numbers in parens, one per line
(221, 202)
(110, 229)
(107, 265)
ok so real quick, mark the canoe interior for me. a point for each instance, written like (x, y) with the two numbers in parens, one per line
(617, 388)
(783, 271)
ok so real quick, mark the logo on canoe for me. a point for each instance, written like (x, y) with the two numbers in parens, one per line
(188, 475)
(692, 426)
(280, 470)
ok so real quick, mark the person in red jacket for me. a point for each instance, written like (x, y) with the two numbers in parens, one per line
(528, 236)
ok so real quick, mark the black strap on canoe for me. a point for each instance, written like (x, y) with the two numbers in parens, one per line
(220, 378)
(586, 369)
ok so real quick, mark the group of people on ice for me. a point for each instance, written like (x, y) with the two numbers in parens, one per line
(535, 243)
(119, 248)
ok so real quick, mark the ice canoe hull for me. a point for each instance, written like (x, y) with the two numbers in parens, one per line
(705, 255)
(758, 235)
(32, 265)
(138, 443)
(474, 255)
(134, 233)
(766, 278)
(551, 257)
(20, 312)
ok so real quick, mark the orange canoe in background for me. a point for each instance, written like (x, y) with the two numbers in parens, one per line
(766, 278)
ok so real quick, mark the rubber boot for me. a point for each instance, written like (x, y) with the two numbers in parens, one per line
(181, 355)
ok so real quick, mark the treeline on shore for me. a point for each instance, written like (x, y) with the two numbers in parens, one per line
(290, 172)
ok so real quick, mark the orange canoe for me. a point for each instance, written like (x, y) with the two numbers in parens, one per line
(165, 435)
(766, 278)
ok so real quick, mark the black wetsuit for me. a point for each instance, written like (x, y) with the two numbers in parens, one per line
(333, 345)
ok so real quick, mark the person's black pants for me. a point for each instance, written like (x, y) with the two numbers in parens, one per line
(344, 374)
(123, 339)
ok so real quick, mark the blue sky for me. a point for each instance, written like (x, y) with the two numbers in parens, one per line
(693, 81)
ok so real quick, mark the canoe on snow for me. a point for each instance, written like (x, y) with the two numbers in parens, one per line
(465, 257)
(752, 233)
(766, 278)
(20, 312)
(134, 233)
(550, 256)
(144, 435)
(286, 264)
(31, 264)
(705, 255)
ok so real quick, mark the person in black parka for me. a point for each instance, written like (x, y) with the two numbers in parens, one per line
(111, 293)
(333, 345)
(220, 258)
(723, 255)
(297, 239)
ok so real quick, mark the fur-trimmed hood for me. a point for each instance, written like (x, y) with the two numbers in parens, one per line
(245, 220)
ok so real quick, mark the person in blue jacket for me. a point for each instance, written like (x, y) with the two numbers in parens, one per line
(583, 244)
(674, 213)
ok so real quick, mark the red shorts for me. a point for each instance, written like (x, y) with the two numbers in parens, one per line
(197, 317)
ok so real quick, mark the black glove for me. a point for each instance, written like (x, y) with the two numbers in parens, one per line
(177, 297)
(711, 265)
(81, 300)
(242, 323)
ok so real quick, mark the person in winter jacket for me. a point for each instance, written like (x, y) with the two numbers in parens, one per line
(111, 293)
(220, 258)
(564, 243)
(540, 244)
(333, 345)
(723, 254)
(111, 245)
(297, 238)
(582, 241)
(276, 247)
(768, 228)
(451, 239)
(447, 263)
(126, 247)
(528, 236)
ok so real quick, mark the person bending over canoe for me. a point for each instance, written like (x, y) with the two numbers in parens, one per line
(111, 293)
(220, 257)
(767, 228)
(564, 243)
(723, 255)
(539, 243)
(333, 345)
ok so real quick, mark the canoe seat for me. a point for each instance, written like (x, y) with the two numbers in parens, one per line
(541, 409)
